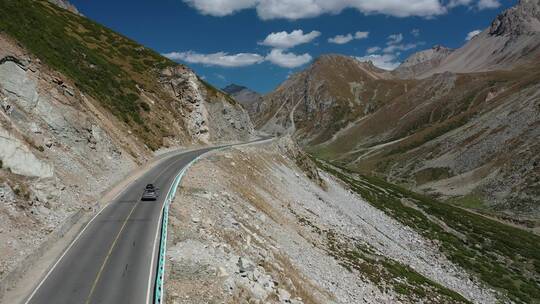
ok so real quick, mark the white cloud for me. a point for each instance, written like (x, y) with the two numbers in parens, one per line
(455, 3)
(481, 4)
(399, 47)
(342, 39)
(373, 49)
(298, 9)
(471, 35)
(361, 35)
(287, 60)
(385, 61)
(415, 32)
(284, 40)
(486, 4)
(394, 39)
(220, 8)
(222, 59)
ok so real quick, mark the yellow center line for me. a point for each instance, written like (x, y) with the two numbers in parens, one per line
(116, 240)
(109, 255)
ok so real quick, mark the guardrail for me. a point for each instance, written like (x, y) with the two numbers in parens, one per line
(160, 272)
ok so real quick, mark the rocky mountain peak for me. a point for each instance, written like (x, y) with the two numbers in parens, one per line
(437, 52)
(523, 18)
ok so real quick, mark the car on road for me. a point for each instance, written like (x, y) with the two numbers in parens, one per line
(150, 193)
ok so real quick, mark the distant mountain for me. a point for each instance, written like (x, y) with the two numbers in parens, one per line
(422, 62)
(248, 98)
(461, 135)
(512, 39)
(320, 100)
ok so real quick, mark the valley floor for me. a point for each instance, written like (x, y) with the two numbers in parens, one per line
(250, 226)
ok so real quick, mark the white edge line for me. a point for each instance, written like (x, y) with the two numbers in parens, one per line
(178, 177)
(100, 211)
(67, 250)
(78, 237)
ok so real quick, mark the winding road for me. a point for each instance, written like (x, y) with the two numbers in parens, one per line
(113, 259)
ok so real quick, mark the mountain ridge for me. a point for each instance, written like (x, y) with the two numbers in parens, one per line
(424, 126)
(512, 39)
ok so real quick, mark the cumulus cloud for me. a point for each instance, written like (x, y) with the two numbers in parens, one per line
(373, 49)
(385, 61)
(284, 40)
(222, 59)
(298, 9)
(394, 39)
(342, 39)
(480, 4)
(487, 4)
(399, 47)
(220, 8)
(361, 35)
(471, 35)
(287, 60)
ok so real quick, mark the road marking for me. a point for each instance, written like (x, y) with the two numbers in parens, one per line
(216, 148)
(109, 254)
(148, 290)
(88, 225)
(65, 252)
(150, 276)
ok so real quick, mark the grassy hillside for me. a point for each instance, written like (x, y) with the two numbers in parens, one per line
(103, 64)
(503, 257)
(449, 126)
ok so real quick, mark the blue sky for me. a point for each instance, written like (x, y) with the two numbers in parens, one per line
(258, 43)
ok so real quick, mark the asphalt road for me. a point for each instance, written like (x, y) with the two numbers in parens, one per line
(114, 259)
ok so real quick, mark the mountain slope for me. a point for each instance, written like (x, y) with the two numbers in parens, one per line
(512, 39)
(248, 98)
(152, 95)
(422, 62)
(470, 138)
(81, 108)
(320, 100)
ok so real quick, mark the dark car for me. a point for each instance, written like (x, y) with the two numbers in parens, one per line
(150, 193)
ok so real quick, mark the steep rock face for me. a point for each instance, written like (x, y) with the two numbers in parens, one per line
(422, 62)
(317, 102)
(59, 149)
(512, 39)
(209, 115)
(248, 98)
